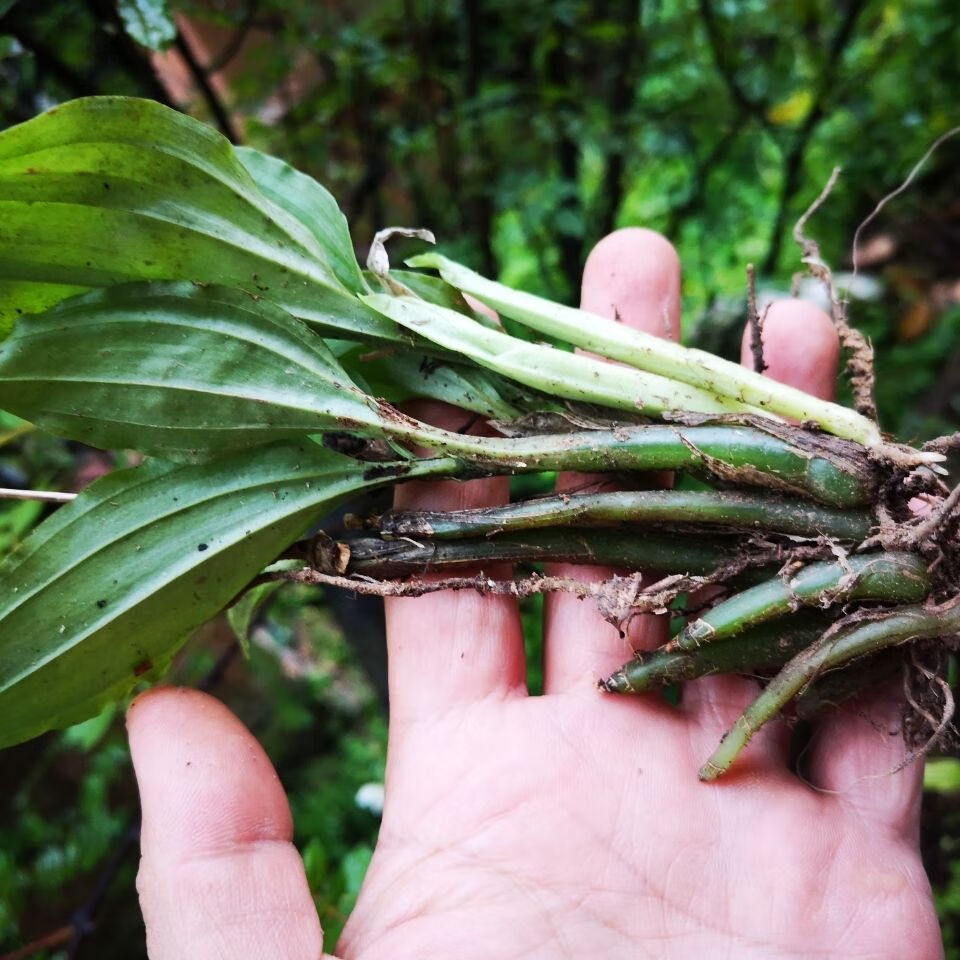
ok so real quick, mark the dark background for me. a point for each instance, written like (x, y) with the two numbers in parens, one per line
(521, 134)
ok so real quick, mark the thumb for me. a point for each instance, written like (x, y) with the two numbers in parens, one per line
(219, 876)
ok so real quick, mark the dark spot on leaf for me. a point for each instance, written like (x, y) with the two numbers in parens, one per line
(428, 366)
(101, 603)
(142, 667)
(201, 547)
(106, 186)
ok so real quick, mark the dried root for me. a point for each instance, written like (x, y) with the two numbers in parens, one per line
(860, 359)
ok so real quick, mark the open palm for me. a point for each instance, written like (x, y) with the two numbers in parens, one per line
(570, 824)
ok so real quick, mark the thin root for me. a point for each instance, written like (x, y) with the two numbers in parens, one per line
(860, 360)
(755, 321)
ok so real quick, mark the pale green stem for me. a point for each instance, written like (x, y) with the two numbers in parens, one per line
(555, 372)
(647, 352)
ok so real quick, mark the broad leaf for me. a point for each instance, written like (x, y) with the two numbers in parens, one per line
(148, 22)
(103, 593)
(107, 190)
(313, 205)
(178, 371)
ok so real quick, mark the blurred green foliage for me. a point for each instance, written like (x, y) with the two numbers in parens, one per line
(72, 798)
(521, 134)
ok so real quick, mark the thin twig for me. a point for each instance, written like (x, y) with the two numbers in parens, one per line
(417, 587)
(798, 234)
(53, 939)
(48, 496)
(216, 106)
(727, 71)
(83, 920)
(216, 673)
(618, 598)
(232, 47)
(896, 193)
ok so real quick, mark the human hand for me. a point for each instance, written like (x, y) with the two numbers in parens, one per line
(570, 824)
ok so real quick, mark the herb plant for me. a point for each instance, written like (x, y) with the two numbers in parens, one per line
(166, 292)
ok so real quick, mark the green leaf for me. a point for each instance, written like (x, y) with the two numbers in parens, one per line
(355, 865)
(19, 297)
(87, 734)
(15, 520)
(106, 190)
(242, 614)
(313, 205)
(178, 371)
(942, 775)
(404, 375)
(148, 22)
(315, 864)
(102, 594)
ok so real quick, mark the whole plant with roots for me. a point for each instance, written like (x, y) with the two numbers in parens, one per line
(166, 292)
